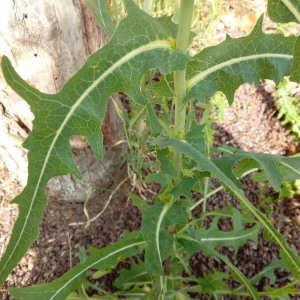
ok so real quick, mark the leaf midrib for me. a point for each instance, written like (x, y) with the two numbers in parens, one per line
(160, 219)
(196, 79)
(89, 267)
(226, 239)
(264, 224)
(153, 45)
(197, 156)
(292, 9)
(98, 261)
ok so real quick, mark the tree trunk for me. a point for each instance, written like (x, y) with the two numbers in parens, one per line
(47, 42)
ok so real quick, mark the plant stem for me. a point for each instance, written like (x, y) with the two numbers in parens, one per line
(206, 181)
(183, 34)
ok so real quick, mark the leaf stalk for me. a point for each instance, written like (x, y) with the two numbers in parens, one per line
(183, 35)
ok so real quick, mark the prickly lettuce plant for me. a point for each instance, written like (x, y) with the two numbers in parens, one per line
(169, 234)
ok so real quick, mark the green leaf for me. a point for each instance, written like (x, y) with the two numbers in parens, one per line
(184, 187)
(204, 164)
(282, 293)
(163, 88)
(103, 18)
(268, 162)
(154, 121)
(195, 137)
(232, 212)
(156, 177)
(213, 237)
(139, 44)
(167, 166)
(281, 297)
(295, 72)
(137, 275)
(244, 166)
(82, 254)
(289, 170)
(268, 272)
(211, 283)
(100, 259)
(288, 108)
(100, 274)
(193, 245)
(284, 11)
(239, 277)
(154, 222)
(236, 61)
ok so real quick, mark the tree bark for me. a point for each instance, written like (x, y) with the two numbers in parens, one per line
(47, 42)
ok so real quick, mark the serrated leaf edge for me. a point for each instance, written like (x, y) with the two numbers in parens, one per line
(250, 289)
(153, 45)
(196, 79)
(274, 234)
(93, 264)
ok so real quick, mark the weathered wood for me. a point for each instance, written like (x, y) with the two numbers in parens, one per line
(47, 42)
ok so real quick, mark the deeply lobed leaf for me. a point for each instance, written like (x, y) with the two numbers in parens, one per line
(213, 237)
(234, 62)
(155, 220)
(268, 162)
(140, 43)
(237, 61)
(204, 164)
(100, 259)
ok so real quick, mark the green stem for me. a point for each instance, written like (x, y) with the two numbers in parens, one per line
(182, 42)
(206, 181)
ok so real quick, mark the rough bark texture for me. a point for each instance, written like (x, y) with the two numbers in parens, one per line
(47, 42)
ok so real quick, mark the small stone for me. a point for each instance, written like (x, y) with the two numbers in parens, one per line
(30, 266)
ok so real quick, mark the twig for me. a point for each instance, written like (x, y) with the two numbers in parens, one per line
(105, 207)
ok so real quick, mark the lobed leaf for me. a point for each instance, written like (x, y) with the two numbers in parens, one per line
(236, 61)
(213, 237)
(193, 245)
(268, 272)
(289, 170)
(100, 259)
(231, 212)
(140, 43)
(167, 167)
(211, 283)
(137, 275)
(268, 162)
(204, 164)
(184, 187)
(154, 222)
(102, 17)
(239, 277)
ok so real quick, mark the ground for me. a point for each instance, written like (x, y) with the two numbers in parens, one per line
(250, 124)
